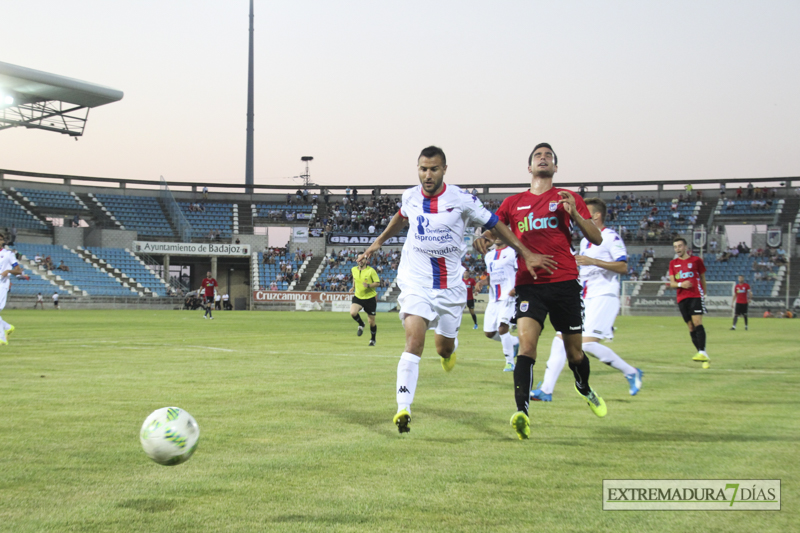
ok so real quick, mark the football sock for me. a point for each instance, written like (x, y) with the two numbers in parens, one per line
(745, 320)
(373, 330)
(357, 318)
(407, 374)
(3, 329)
(700, 331)
(474, 318)
(508, 341)
(523, 379)
(495, 337)
(555, 364)
(693, 334)
(581, 373)
(735, 319)
(606, 355)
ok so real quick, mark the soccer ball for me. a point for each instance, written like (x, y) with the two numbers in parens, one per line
(169, 436)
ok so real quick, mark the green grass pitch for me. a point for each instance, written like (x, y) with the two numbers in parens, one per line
(296, 434)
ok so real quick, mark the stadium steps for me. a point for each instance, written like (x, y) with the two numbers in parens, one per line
(706, 214)
(171, 222)
(29, 206)
(308, 275)
(245, 218)
(658, 268)
(100, 264)
(102, 218)
(789, 212)
(29, 264)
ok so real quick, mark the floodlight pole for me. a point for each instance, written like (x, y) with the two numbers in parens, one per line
(248, 172)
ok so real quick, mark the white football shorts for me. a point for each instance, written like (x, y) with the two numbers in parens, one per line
(3, 295)
(442, 308)
(499, 312)
(600, 312)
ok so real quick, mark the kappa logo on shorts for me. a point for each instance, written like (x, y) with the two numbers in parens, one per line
(523, 307)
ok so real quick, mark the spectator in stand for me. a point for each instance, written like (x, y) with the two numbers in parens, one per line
(722, 190)
(37, 259)
(739, 193)
(63, 267)
(13, 236)
(205, 193)
(305, 195)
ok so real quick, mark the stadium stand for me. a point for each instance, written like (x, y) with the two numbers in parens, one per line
(336, 276)
(209, 218)
(649, 220)
(82, 275)
(31, 283)
(758, 207)
(277, 273)
(61, 201)
(127, 263)
(13, 214)
(140, 213)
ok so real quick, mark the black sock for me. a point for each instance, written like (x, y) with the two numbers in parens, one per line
(735, 319)
(523, 380)
(581, 373)
(357, 318)
(475, 319)
(693, 334)
(700, 331)
(373, 330)
(745, 320)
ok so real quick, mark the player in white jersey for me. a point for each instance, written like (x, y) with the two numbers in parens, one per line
(432, 293)
(8, 267)
(600, 267)
(501, 264)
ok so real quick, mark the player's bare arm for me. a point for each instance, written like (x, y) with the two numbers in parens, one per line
(685, 284)
(618, 267)
(397, 223)
(17, 271)
(587, 227)
(703, 282)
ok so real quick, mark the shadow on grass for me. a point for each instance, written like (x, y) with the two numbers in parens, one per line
(629, 434)
(471, 422)
(149, 505)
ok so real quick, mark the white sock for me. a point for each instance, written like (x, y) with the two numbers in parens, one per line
(606, 355)
(496, 337)
(555, 364)
(509, 341)
(3, 327)
(455, 345)
(407, 374)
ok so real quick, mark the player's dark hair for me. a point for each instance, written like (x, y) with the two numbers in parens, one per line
(542, 145)
(681, 239)
(433, 151)
(599, 205)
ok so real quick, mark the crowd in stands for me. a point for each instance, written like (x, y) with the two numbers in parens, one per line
(370, 215)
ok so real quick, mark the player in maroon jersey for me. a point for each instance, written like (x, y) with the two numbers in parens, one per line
(687, 273)
(470, 282)
(742, 296)
(207, 287)
(542, 218)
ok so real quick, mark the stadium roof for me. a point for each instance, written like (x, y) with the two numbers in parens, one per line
(35, 99)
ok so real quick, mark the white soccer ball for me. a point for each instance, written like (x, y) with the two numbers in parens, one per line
(169, 436)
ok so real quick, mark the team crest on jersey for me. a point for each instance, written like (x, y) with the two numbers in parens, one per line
(690, 265)
(523, 307)
(553, 206)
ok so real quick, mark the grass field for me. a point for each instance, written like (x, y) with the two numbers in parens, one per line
(296, 434)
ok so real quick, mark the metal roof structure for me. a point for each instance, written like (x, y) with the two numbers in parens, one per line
(35, 99)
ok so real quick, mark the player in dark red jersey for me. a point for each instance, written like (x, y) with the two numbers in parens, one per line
(542, 218)
(470, 282)
(207, 287)
(687, 273)
(742, 296)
